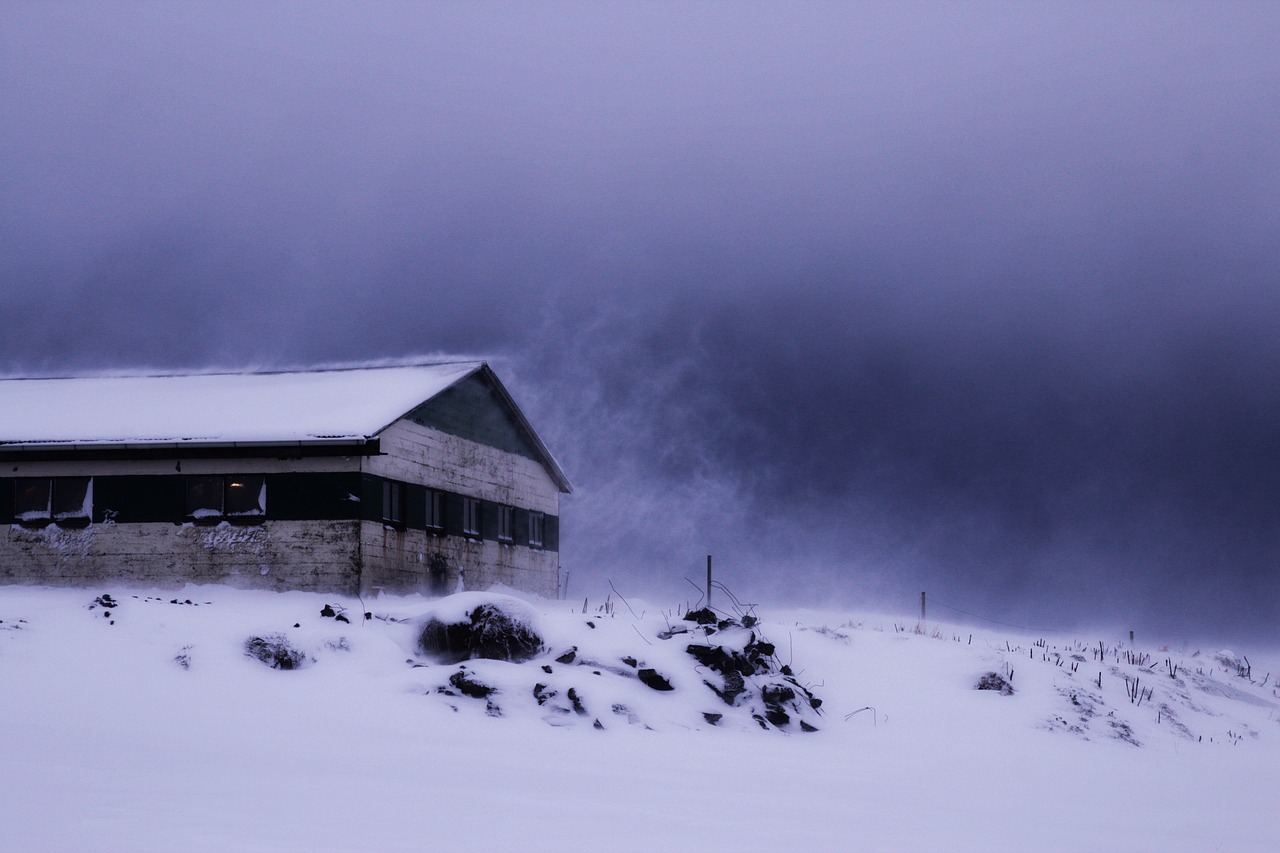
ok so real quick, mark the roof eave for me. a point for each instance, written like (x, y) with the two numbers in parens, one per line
(46, 446)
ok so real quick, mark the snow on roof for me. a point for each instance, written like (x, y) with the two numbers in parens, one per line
(218, 408)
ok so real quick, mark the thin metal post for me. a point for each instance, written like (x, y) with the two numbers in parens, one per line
(921, 606)
(708, 580)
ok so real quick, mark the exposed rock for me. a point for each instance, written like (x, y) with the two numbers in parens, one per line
(275, 651)
(776, 694)
(651, 678)
(491, 630)
(467, 685)
(734, 686)
(995, 681)
(777, 716)
(705, 616)
(623, 711)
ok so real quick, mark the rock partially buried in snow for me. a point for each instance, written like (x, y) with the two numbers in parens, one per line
(472, 625)
(653, 678)
(275, 651)
(995, 681)
(581, 672)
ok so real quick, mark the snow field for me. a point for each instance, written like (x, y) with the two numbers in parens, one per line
(108, 743)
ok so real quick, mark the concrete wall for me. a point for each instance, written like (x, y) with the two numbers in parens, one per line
(309, 555)
(397, 560)
(324, 555)
(428, 457)
(278, 555)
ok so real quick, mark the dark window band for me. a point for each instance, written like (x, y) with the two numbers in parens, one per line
(250, 498)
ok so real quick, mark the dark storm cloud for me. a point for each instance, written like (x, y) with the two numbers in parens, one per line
(864, 299)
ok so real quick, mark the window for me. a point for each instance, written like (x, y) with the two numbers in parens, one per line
(67, 501)
(504, 524)
(31, 499)
(231, 496)
(204, 497)
(246, 495)
(471, 516)
(435, 510)
(391, 501)
(537, 523)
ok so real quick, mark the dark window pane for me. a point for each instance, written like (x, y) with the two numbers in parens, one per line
(504, 523)
(71, 497)
(536, 521)
(471, 516)
(391, 494)
(246, 494)
(204, 497)
(31, 498)
(435, 510)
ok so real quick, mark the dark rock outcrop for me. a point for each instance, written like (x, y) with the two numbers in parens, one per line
(490, 631)
(275, 651)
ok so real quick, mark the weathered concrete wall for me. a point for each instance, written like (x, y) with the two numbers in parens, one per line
(398, 561)
(333, 555)
(277, 555)
(428, 457)
(309, 555)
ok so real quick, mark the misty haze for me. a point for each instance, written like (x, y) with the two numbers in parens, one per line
(864, 300)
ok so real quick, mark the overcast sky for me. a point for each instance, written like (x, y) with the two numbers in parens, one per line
(862, 298)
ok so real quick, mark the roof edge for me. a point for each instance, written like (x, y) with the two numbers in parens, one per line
(326, 367)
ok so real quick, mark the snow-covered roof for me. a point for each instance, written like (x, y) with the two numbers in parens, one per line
(306, 407)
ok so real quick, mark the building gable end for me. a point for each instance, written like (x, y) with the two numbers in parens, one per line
(473, 409)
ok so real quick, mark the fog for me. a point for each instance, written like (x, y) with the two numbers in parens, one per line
(862, 299)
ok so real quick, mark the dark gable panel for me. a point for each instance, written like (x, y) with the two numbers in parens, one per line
(472, 410)
(329, 496)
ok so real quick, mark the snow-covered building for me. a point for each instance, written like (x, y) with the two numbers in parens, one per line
(353, 480)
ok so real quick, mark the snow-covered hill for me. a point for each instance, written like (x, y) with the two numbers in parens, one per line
(141, 720)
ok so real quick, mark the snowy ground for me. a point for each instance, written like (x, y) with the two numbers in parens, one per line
(145, 726)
